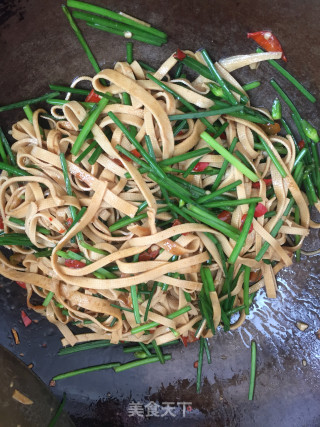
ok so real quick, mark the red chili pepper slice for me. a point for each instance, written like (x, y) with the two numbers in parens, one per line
(75, 250)
(74, 263)
(270, 128)
(255, 276)
(69, 222)
(22, 285)
(92, 97)
(242, 222)
(149, 255)
(134, 152)
(225, 216)
(201, 166)
(301, 145)
(1, 223)
(267, 41)
(185, 341)
(260, 210)
(178, 222)
(223, 135)
(180, 55)
(195, 365)
(268, 182)
(26, 320)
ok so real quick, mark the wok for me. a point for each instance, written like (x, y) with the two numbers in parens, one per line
(38, 47)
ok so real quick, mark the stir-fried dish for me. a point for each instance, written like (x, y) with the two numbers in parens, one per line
(154, 205)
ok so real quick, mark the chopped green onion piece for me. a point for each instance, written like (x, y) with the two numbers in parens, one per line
(92, 248)
(86, 152)
(140, 362)
(58, 413)
(135, 303)
(45, 253)
(21, 222)
(158, 352)
(88, 126)
(155, 324)
(145, 349)
(181, 99)
(116, 17)
(276, 110)
(86, 370)
(132, 349)
(310, 131)
(21, 104)
(291, 79)
(224, 166)
(230, 157)
(28, 112)
(81, 39)
(225, 203)
(113, 28)
(128, 220)
(153, 290)
(243, 236)
(214, 194)
(216, 76)
(273, 157)
(251, 85)
(200, 363)
(129, 47)
(47, 299)
(64, 101)
(146, 67)
(95, 155)
(82, 347)
(142, 151)
(7, 147)
(179, 127)
(207, 113)
(150, 147)
(246, 280)
(207, 350)
(253, 369)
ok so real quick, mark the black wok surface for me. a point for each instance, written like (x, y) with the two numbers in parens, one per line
(38, 47)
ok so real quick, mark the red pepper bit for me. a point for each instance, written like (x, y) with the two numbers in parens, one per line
(22, 285)
(26, 319)
(178, 222)
(180, 55)
(195, 365)
(69, 222)
(180, 133)
(74, 263)
(268, 182)
(201, 166)
(61, 231)
(1, 223)
(185, 341)
(92, 97)
(301, 145)
(149, 255)
(75, 250)
(50, 219)
(242, 222)
(255, 276)
(260, 210)
(225, 216)
(267, 41)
